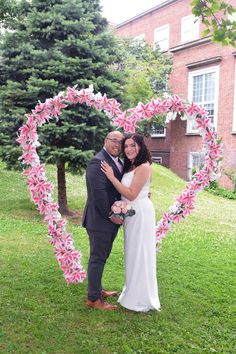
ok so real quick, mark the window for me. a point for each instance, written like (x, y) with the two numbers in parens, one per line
(157, 159)
(157, 130)
(189, 29)
(161, 37)
(203, 90)
(196, 160)
(140, 37)
(234, 114)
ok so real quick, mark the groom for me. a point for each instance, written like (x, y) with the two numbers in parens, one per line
(100, 196)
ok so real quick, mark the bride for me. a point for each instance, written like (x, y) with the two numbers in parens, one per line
(140, 292)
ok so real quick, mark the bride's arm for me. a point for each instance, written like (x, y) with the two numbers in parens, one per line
(141, 175)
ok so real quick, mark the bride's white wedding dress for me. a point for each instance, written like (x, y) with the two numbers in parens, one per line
(140, 292)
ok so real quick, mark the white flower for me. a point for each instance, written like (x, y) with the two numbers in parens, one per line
(173, 209)
(166, 95)
(170, 116)
(109, 114)
(98, 96)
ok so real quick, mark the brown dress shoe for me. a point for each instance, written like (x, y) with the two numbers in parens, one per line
(100, 304)
(106, 293)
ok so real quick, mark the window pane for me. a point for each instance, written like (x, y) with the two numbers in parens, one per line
(161, 34)
(197, 88)
(162, 44)
(209, 87)
(204, 94)
(209, 107)
(157, 129)
(161, 37)
(196, 162)
(190, 29)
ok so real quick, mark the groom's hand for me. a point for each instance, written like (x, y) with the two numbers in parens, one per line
(116, 220)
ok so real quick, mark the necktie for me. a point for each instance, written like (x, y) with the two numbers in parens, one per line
(119, 166)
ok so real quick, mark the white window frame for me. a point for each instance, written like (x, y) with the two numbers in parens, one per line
(157, 159)
(158, 135)
(166, 30)
(191, 75)
(195, 29)
(234, 113)
(190, 162)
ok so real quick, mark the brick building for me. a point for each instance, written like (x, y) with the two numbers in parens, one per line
(203, 72)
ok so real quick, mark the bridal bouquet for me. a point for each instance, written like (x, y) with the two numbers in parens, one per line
(119, 210)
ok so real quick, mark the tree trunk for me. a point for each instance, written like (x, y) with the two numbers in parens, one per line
(61, 183)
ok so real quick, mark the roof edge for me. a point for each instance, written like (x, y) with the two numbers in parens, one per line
(157, 7)
(191, 44)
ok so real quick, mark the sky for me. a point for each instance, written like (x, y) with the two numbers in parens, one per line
(117, 11)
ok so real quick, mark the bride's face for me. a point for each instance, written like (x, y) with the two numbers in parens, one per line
(131, 149)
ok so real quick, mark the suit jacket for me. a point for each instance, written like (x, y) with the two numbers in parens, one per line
(101, 194)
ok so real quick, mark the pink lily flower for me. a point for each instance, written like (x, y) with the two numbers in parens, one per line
(144, 110)
(40, 189)
(113, 107)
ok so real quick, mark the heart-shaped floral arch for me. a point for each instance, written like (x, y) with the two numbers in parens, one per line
(41, 189)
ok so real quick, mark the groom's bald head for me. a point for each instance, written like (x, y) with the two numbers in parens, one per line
(113, 142)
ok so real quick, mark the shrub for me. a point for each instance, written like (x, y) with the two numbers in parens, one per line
(215, 189)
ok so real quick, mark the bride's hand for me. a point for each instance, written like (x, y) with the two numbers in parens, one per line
(107, 169)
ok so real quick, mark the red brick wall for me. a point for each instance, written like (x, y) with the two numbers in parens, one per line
(171, 14)
(177, 142)
(180, 142)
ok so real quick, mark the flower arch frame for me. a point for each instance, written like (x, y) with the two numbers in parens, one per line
(41, 189)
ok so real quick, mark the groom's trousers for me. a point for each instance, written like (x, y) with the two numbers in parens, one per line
(100, 248)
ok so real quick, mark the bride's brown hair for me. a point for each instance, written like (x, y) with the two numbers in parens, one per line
(143, 155)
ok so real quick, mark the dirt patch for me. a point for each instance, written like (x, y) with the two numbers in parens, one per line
(75, 217)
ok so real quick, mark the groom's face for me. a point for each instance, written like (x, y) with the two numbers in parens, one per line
(113, 143)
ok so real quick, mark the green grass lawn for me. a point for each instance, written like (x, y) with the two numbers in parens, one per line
(196, 269)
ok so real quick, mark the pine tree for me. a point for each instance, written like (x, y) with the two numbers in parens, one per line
(6, 10)
(55, 44)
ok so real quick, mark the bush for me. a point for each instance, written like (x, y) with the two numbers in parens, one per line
(223, 192)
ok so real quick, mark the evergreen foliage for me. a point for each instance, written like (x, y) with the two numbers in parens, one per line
(55, 44)
(7, 10)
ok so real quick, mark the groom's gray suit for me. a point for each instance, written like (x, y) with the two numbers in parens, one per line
(100, 196)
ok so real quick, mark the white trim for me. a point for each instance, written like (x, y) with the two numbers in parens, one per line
(191, 44)
(194, 30)
(215, 69)
(234, 111)
(191, 154)
(166, 30)
(159, 135)
(154, 135)
(157, 7)
(157, 159)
